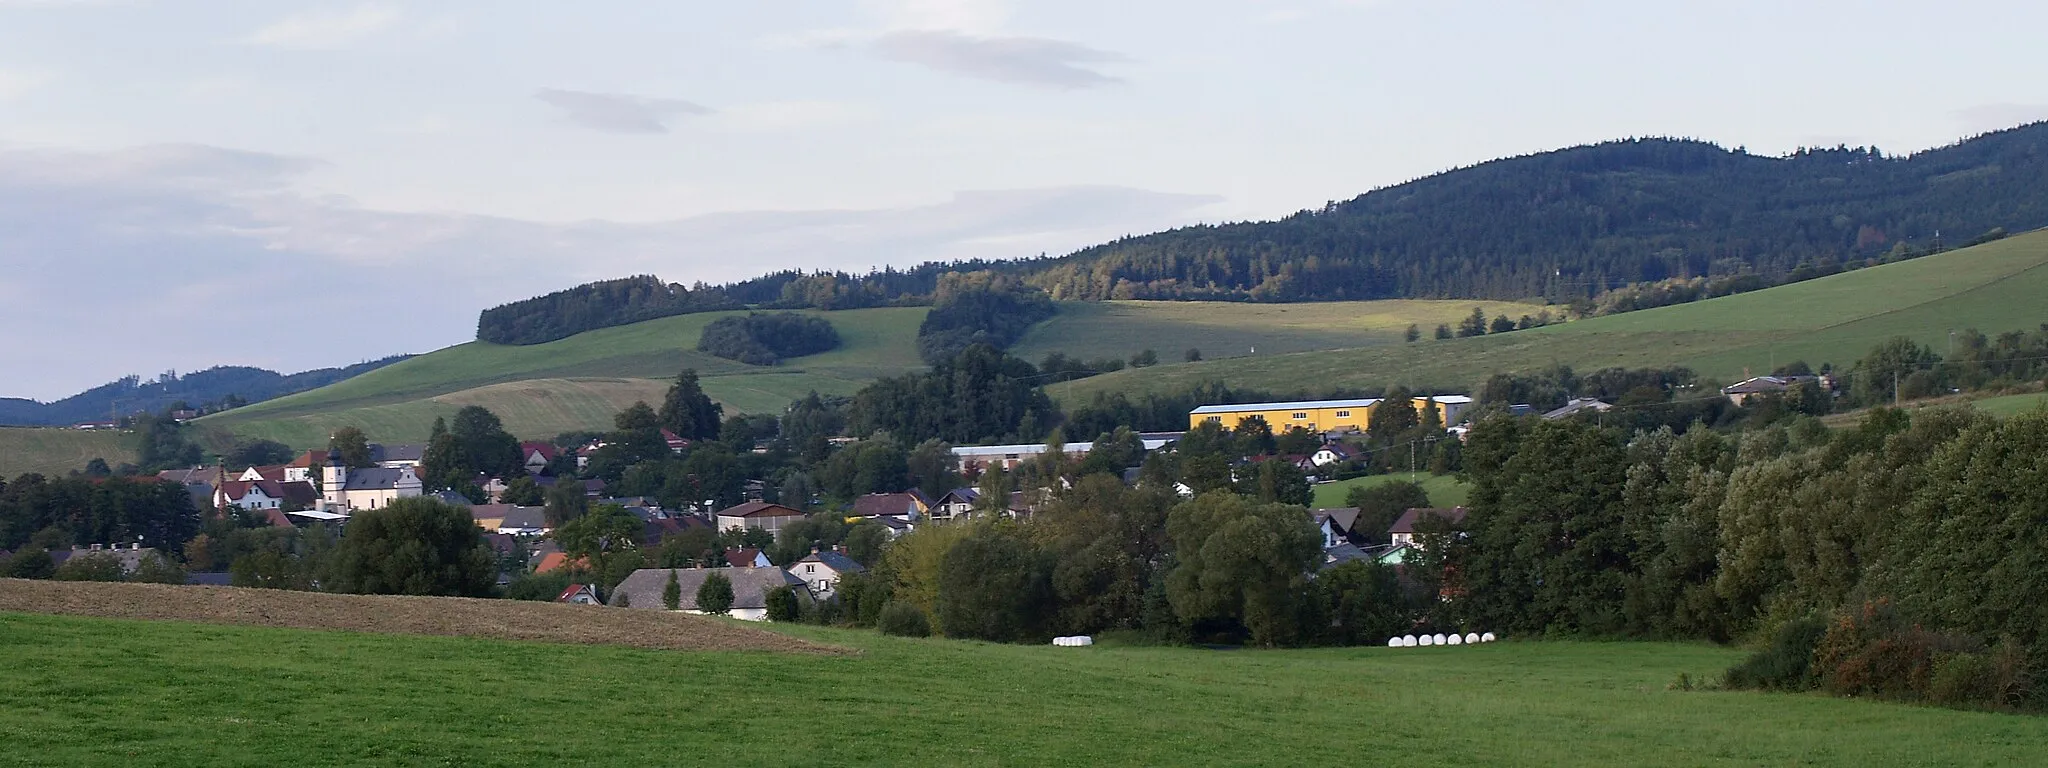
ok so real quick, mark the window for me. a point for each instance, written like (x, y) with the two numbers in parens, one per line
(1214, 419)
(809, 568)
(1300, 415)
(1343, 414)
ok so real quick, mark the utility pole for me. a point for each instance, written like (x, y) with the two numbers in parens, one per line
(1895, 388)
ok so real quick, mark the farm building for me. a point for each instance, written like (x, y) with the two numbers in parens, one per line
(1321, 415)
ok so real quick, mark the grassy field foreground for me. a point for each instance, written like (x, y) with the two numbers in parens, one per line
(82, 691)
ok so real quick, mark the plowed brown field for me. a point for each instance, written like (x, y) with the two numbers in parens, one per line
(389, 614)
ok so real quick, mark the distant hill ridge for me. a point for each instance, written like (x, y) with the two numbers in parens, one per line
(1559, 225)
(130, 394)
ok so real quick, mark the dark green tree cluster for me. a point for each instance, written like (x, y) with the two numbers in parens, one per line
(978, 308)
(1907, 544)
(55, 513)
(978, 396)
(591, 306)
(766, 338)
(417, 546)
(476, 444)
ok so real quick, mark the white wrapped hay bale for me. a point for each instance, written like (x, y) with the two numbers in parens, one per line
(1486, 638)
(1471, 637)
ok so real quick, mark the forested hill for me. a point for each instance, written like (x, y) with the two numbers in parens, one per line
(1563, 225)
(1577, 221)
(209, 389)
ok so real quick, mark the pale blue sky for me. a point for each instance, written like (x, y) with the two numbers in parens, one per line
(219, 177)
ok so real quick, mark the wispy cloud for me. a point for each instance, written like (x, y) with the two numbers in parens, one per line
(325, 29)
(617, 112)
(1023, 60)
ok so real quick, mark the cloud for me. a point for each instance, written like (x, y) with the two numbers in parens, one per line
(325, 29)
(129, 261)
(619, 113)
(1993, 117)
(975, 16)
(1023, 60)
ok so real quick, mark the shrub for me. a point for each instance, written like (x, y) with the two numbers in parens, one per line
(30, 564)
(783, 605)
(542, 587)
(1787, 663)
(157, 569)
(903, 620)
(715, 596)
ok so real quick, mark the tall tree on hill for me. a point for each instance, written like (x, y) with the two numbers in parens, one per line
(353, 446)
(688, 412)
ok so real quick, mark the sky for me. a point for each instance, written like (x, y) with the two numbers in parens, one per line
(297, 185)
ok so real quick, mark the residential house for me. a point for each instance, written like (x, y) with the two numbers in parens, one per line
(1740, 392)
(746, 557)
(1402, 533)
(306, 467)
(579, 594)
(273, 472)
(1332, 453)
(397, 455)
(557, 560)
(957, 503)
(1577, 406)
(518, 521)
(1341, 554)
(675, 444)
(756, 514)
(259, 495)
(1335, 523)
(537, 455)
(823, 569)
(130, 556)
(750, 587)
(908, 506)
(656, 531)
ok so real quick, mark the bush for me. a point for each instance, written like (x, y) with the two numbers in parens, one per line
(783, 605)
(30, 564)
(541, 587)
(903, 620)
(1787, 663)
(157, 569)
(715, 595)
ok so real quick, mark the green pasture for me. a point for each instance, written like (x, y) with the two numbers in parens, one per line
(1443, 490)
(1994, 287)
(1120, 329)
(84, 692)
(52, 451)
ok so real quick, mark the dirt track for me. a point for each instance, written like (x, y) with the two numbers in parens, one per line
(459, 616)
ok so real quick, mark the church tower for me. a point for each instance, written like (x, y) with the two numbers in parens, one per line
(333, 478)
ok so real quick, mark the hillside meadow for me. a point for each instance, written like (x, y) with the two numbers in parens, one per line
(1443, 490)
(1120, 329)
(1994, 287)
(53, 451)
(82, 691)
(578, 383)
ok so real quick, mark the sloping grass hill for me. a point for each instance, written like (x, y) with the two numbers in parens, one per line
(1995, 287)
(581, 381)
(1120, 329)
(52, 451)
(87, 691)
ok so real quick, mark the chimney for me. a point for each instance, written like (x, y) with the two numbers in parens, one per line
(95, 547)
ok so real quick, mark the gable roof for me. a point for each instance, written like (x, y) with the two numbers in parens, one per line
(522, 517)
(758, 509)
(380, 453)
(1407, 521)
(887, 505)
(1342, 517)
(1764, 384)
(749, 586)
(1579, 405)
(376, 479)
(742, 557)
(557, 560)
(546, 450)
(960, 496)
(836, 561)
(572, 591)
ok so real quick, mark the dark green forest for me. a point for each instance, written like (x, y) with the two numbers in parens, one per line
(767, 338)
(1635, 223)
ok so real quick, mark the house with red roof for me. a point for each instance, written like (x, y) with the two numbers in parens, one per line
(757, 514)
(579, 594)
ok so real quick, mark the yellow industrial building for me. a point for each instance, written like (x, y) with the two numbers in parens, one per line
(1322, 415)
